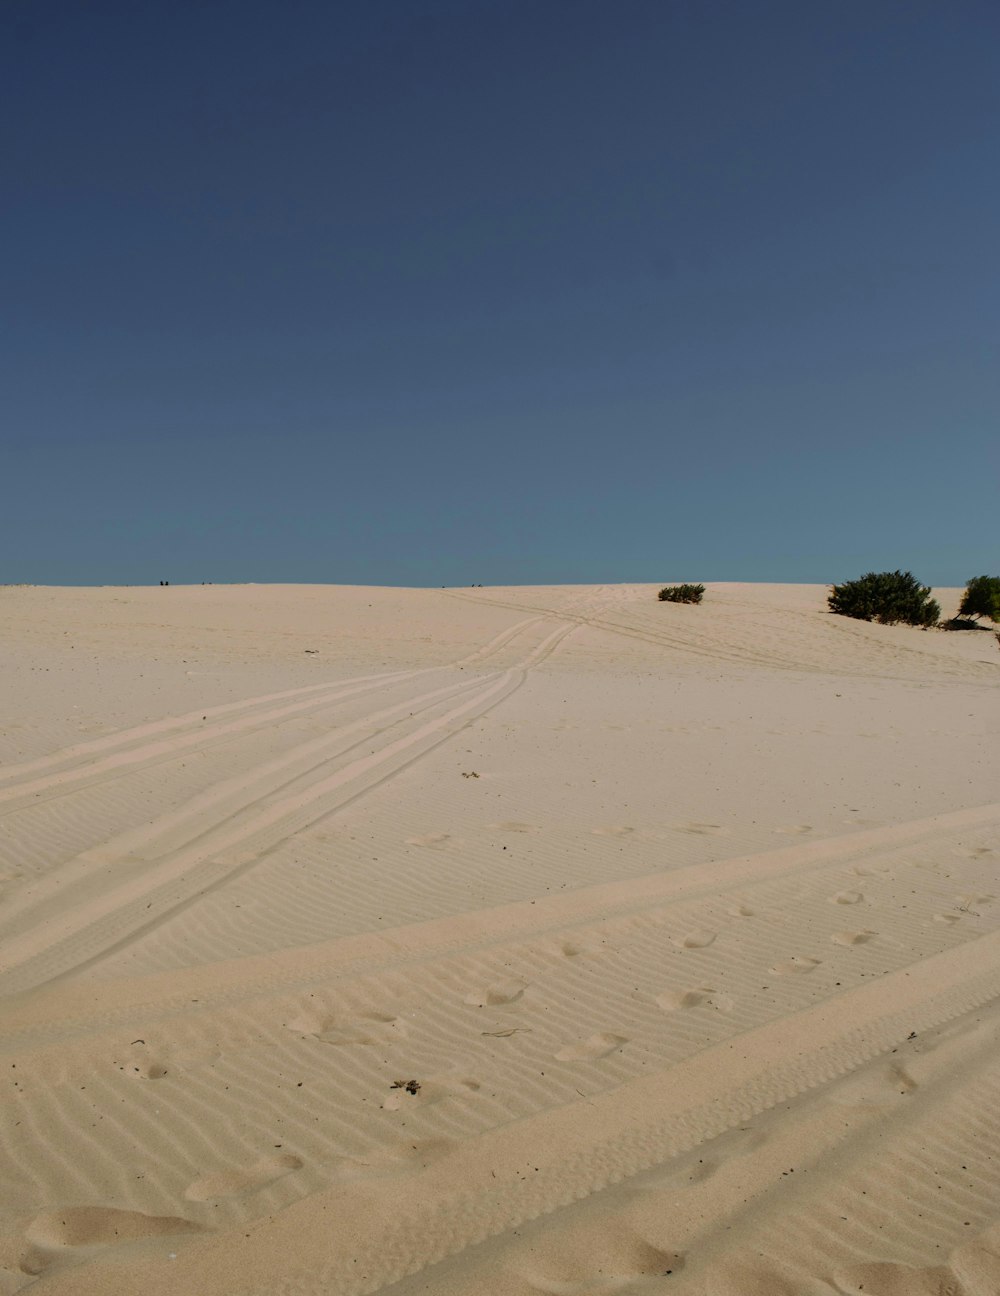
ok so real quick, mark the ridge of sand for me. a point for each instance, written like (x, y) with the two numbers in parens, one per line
(682, 922)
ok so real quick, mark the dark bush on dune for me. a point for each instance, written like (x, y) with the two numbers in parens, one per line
(681, 593)
(887, 597)
(981, 598)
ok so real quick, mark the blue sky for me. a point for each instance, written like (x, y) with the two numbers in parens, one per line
(442, 291)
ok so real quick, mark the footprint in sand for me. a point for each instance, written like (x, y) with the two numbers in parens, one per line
(873, 1086)
(589, 1050)
(511, 826)
(976, 1265)
(568, 1266)
(740, 911)
(236, 1183)
(892, 1278)
(744, 1277)
(900, 1079)
(498, 995)
(711, 1156)
(852, 938)
(612, 830)
(846, 897)
(396, 1159)
(700, 829)
(947, 918)
(369, 1028)
(585, 948)
(87, 1226)
(146, 1069)
(698, 939)
(672, 1000)
(794, 830)
(55, 1235)
(974, 900)
(141, 1065)
(796, 963)
(434, 840)
(683, 1176)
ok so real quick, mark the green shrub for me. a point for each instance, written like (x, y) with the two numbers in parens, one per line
(682, 593)
(887, 597)
(981, 598)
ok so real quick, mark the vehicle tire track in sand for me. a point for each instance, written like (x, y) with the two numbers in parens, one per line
(695, 643)
(522, 1174)
(144, 743)
(538, 1166)
(225, 849)
(550, 1150)
(345, 1113)
(561, 918)
(193, 720)
(924, 1156)
(224, 800)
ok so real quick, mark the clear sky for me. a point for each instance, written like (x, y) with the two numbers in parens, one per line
(442, 291)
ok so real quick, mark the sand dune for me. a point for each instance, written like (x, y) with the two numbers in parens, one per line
(527, 940)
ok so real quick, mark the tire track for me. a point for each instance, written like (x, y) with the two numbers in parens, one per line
(532, 1168)
(772, 1231)
(548, 918)
(125, 737)
(701, 647)
(690, 647)
(223, 801)
(224, 849)
(145, 744)
(404, 1216)
(576, 1051)
(537, 1166)
(129, 759)
(905, 1167)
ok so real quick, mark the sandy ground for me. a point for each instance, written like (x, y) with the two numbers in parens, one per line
(682, 922)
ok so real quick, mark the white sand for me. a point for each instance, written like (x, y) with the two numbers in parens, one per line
(684, 921)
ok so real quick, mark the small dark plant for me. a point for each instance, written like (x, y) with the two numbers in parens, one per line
(981, 598)
(887, 597)
(682, 593)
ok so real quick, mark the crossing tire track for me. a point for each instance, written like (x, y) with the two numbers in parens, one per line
(274, 807)
(538, 1166)
(160, 740)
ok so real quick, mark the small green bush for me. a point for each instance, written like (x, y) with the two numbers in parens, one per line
(682, 593)
(981, 598)
(887, 597)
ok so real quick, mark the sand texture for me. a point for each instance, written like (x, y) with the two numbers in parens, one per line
(508, 941)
